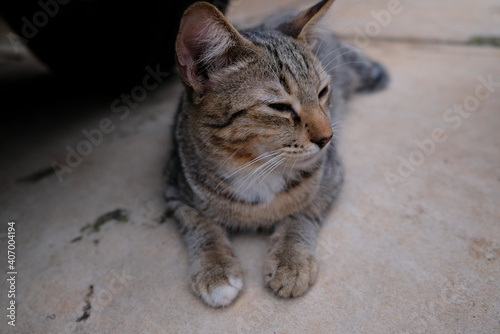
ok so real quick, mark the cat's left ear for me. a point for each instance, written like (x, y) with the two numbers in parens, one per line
(206, 43)
(302, 25)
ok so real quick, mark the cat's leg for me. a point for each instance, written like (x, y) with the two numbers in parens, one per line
(216, 274)
(291, 266)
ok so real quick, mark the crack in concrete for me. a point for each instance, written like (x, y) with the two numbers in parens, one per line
(493, 41)
(489, 41)
(88, 305)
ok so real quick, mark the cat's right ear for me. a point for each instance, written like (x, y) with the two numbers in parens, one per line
(304, 24)
(206, 42)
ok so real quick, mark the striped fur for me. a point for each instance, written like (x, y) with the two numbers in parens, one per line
(253, 143)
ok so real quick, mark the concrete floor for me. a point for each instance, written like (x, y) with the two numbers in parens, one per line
(413, 245)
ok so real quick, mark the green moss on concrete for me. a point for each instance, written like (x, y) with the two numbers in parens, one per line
(485, 40)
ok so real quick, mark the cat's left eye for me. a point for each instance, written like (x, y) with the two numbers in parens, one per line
(323, 92)
(281, 106)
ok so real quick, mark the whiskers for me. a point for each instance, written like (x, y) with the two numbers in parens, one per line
(246, 179)
(336, 126)
(257, 176)
(272, 155)
(331, 65)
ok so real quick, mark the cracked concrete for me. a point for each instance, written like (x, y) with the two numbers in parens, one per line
(412, 246)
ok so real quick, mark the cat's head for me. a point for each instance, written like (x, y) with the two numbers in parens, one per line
(256, 92)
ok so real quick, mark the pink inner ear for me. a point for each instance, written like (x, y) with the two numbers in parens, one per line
(189, 45)
(206, 37)
(183, 55)
(193, 35)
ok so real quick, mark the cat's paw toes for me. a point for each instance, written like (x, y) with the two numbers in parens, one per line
(218, 287)
(290, 275)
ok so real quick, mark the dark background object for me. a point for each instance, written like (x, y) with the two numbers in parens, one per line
(99, 44)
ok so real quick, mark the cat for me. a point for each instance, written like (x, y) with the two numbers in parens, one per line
(254, 143)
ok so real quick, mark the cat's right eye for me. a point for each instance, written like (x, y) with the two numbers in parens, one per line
(323, 92)
(281, 106)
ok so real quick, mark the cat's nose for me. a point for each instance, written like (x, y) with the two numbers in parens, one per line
(322, 141)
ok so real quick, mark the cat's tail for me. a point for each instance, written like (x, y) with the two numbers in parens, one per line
(347, 65)
(373, 77)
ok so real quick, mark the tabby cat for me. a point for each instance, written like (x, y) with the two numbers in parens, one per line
(254, 145)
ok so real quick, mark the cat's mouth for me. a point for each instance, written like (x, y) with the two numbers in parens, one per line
(302, 154)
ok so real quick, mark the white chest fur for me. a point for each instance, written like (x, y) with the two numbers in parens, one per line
(258, 187)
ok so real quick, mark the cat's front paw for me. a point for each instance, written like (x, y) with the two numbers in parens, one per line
(218, 283)
(290, 273)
